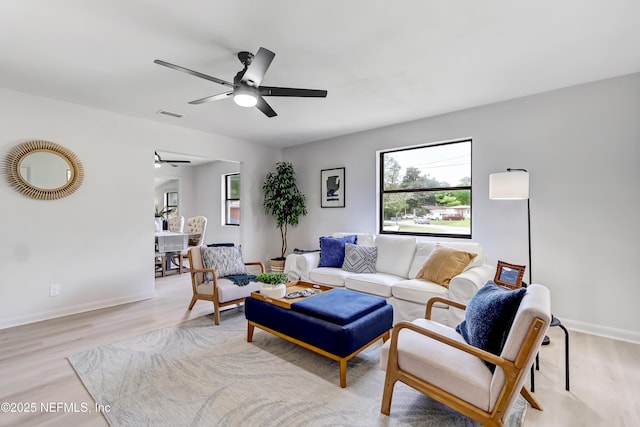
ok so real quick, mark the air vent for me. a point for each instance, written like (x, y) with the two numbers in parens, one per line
(169, 113)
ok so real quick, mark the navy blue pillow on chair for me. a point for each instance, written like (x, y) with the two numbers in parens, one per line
(332, 250)
(489, 316)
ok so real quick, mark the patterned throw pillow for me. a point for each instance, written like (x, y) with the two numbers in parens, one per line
(489, 316)
(332, 250)
(360, 259)
(226, 261)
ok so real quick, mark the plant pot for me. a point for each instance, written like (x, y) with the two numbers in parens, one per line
(274, 291)
(277, 264)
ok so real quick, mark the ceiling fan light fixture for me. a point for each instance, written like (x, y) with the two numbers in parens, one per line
(245, 97)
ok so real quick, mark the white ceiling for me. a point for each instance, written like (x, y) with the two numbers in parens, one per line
(382, 62)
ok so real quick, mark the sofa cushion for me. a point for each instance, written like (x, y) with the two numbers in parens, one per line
(226, 261)
(443, 263)
(332, 250)
(375, 284)
(424, 248)
(488, 318)
(419, 291)
(395, 254)
(360, 259)
(328, 276)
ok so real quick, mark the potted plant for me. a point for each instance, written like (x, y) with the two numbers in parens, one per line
(284, 201)
(160, 214)
(273, 284)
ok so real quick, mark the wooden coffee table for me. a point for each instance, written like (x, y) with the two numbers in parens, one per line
(298, 286)
(327, 323)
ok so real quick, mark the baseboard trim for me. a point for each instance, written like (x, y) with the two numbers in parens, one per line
(603, 331)
(75, 309)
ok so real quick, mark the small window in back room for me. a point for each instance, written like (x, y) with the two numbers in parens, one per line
(232, 199)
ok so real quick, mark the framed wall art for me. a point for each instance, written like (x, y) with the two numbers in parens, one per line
(332, 188)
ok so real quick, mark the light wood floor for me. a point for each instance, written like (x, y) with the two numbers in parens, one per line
(605, 374)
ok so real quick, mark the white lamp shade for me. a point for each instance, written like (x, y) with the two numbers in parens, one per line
(510, 185)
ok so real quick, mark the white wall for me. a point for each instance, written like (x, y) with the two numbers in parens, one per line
(97, 243)
(581, 146)
(208, 190)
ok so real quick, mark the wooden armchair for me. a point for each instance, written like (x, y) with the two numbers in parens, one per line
(436, 360)
(195, 227)
(220, 291)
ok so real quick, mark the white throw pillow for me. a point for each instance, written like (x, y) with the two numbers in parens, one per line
(395, 254)
(362, 239)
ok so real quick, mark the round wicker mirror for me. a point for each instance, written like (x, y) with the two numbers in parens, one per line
(43, 170)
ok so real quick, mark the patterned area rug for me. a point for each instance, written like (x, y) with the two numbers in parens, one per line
(199, 374)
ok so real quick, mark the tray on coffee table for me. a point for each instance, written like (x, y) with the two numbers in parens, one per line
(297, 286)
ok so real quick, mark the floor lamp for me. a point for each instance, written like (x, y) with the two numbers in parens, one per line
(512, 185)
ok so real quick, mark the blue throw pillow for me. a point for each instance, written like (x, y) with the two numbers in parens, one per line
(332, 250)
(488, 318)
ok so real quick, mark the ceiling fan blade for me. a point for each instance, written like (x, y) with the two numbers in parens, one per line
(217, 97)
(193, 73)
(175, 161)
(258, 67)
(289, 91)
(265, 108)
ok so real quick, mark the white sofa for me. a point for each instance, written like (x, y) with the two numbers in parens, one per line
(399, 259)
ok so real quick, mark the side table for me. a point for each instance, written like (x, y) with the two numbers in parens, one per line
(554, 322)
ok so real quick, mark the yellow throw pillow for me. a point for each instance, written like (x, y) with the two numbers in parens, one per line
(443, 264)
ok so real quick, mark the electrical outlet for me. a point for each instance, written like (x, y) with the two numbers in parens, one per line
(54, 290)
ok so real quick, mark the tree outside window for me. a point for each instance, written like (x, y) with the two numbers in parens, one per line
(426, 190)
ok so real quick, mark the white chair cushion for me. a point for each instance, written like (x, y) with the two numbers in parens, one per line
(395, 254)
(455, 371)
(419, 291)
(328, 276)
(227, 290)
(371, 283)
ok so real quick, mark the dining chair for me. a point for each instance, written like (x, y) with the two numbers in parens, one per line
(176, 224)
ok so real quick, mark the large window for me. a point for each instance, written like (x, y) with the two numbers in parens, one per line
(232, 199)
(426, 190)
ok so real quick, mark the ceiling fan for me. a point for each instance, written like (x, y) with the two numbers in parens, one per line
(246, 89)
(158, 161)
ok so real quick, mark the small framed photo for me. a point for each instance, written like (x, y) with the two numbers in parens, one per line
(332, 188)
(509, 275)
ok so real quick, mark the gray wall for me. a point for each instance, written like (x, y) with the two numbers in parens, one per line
(581, 146)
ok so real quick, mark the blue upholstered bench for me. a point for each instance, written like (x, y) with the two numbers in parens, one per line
(337, 324)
